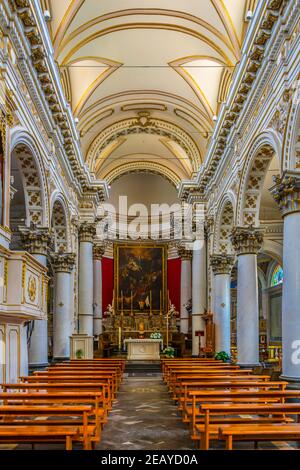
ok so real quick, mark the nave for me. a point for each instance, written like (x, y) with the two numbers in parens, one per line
(192, 404)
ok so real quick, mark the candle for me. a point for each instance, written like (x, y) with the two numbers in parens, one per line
(120, 334)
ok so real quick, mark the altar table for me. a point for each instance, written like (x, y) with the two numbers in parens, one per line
(143, 349)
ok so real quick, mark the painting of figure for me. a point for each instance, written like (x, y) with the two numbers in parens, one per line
(140, 278)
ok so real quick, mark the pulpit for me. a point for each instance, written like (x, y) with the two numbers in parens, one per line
(143, 349)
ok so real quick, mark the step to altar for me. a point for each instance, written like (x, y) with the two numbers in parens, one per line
(145, 368)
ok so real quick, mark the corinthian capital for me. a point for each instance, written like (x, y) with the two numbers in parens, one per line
(286, 192)
(37, 241)
(184, 253)
(63, 263)
(87, 232)
(98, 252)
(247, 240)
(221, 263)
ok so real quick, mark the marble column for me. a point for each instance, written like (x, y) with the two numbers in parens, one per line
(98, 252)
(185, 288)
(247, 241)
(199, 287)
(287, 193)
(87, 232)
(221, 266)
(37, 242)
(62, 317)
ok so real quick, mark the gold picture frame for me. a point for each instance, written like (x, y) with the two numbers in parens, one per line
(137, 289)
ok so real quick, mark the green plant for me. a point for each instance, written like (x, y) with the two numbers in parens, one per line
(79, 354)
(169, 351)
(222, 356)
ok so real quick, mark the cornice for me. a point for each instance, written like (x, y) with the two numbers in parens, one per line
(245, 79)
(31, 24)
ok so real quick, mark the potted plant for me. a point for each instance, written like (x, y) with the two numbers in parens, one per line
(79, 354)
(222, 356)
(169, 351)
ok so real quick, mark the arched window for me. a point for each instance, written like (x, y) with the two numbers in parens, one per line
(277, 276)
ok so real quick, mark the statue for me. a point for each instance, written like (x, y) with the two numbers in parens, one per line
(110, 311)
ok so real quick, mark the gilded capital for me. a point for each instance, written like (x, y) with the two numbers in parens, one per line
(286, 192)
(209, 225)
(63, 263)
(247, 240)
(98, 252)
(37, 241)
(222, 263)
(87, 232)
(184, 253)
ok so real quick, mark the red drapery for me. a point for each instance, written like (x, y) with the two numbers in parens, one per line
(174, 277)
(107, 282)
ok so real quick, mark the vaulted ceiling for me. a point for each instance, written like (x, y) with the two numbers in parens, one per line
(145, 78)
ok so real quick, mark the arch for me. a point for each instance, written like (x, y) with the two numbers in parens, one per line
(273, 249)
(262, 150)
(291, 149)
(29, 161)
(142, 167)
(59, 223)
(152, 126)
(224, 225)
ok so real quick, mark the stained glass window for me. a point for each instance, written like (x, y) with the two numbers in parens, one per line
(277, 276)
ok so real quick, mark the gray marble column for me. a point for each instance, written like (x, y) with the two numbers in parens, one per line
(185, 287)
(87, 232)
(199, 297)
(62, 316)
(247, 241)
(287, 193)
(98, 252)
(37, 242)
(222, 265)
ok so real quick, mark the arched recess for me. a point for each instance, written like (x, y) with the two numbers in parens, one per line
(263, 149)
(224, 226)
(59, 225)
(26, 162)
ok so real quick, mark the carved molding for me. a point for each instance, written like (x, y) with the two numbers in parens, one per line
(286, 192)
(247, 240)
(87, 232)
(221, 263)
(63, 263)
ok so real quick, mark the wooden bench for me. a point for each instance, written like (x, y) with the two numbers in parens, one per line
(260, 432)
(81, 412)
(208, 430)
(38, 434)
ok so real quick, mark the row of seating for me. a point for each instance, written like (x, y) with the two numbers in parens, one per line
(220, 401)
(68, 402)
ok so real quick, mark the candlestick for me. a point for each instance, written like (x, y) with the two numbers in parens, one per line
(131, 302)
(160, 310)
(150, 302)
(122, 303)
(120, 338)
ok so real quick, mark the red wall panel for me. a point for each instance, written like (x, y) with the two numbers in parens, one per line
(174, 277)
(107, 282)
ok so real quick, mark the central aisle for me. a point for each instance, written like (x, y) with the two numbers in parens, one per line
(144, 417)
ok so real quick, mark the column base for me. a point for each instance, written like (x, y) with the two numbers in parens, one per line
(61, 359)
(33, 367)
(294, 382)
(244, 366)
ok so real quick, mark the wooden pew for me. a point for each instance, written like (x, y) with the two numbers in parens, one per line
(260, 432)
(39, 434)
(208, 430)
(81, 412)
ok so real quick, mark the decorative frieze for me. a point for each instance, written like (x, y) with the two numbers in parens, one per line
(63, 263)
(87, 232)
(36, 241)
(221, 263)
(98, 252)
(247, 240)
(286, 192)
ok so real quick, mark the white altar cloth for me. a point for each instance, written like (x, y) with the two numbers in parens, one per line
(143, 349)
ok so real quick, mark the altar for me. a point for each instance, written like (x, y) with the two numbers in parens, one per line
(143, 349)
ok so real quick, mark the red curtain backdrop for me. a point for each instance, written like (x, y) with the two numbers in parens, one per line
(107, 282)
(174, 275)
